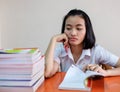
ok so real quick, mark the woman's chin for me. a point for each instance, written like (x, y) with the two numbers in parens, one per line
(73, 43)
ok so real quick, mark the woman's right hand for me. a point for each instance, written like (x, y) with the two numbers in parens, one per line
(61, 38)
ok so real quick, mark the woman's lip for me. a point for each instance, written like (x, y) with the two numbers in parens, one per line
(73, 39)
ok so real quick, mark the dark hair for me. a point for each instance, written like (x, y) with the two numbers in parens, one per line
(89, 40)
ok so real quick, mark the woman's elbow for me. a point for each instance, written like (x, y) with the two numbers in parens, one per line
(48, 74)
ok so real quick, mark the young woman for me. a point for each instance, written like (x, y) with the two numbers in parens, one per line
(78, 47)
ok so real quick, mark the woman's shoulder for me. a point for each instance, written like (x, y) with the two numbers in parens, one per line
(98, 49)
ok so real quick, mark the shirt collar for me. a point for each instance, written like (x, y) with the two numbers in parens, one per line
(84, 53)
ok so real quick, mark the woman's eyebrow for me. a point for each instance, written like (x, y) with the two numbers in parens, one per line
(79, 25)
(68, 25)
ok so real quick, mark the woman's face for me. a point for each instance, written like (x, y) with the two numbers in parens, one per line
(75, 30)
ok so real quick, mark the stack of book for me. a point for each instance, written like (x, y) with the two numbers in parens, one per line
(21, 69)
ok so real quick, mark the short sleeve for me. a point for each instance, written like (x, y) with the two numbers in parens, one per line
(57, 53)
(104, 56)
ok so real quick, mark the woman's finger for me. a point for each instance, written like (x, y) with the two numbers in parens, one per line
(92, 67)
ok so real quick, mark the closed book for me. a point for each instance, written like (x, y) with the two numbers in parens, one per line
(20, 60)
(16, 82)
(21, 76)
(24, 70)
(32, 88)
(18, 52)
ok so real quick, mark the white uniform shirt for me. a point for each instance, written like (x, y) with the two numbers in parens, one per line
(96, 55)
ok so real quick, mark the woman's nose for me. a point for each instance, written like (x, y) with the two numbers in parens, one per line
(73, 32)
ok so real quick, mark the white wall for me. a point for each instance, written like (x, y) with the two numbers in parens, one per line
(0, 22)
(0, 32)
(31, 23)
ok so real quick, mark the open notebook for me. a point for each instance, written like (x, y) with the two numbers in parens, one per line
(76, 79)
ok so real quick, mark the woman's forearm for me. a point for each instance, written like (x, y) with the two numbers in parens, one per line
(52, 67)
(49, 57)
(114, 71)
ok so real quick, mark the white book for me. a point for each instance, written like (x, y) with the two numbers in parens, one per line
(22, 82)
(20, 76)
(23, 89)
(25, 64)
(75, 79)
(31, 70)
(20, 60)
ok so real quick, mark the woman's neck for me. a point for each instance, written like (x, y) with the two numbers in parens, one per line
(76, 52)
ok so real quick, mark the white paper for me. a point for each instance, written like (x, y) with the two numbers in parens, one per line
(74, 78)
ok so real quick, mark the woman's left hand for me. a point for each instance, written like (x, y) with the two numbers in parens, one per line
(96, 68)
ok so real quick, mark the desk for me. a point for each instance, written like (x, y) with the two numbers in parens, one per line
(108, 84)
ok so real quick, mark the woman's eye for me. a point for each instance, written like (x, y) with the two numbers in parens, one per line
(79, 29)
(68, 28)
